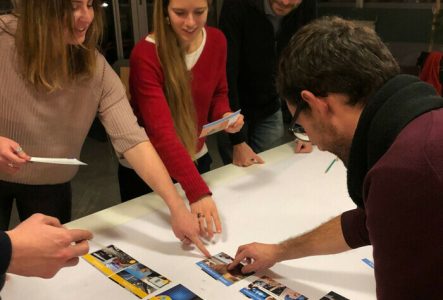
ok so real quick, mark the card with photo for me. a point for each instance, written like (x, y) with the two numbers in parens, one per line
(217, 267)
(333, 296)
(219, 125)
(178, 292)
(126, 271)
(266, 288)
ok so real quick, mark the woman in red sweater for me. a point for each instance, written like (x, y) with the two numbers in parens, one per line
(178, 84)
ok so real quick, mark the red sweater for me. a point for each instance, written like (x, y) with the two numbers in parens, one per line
(209, 92)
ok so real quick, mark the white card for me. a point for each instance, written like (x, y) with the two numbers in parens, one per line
(59, 161)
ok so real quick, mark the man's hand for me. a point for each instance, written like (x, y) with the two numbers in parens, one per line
(302, 146)
(206, 212)
(244, 156)
(258, 257)
(12, 156)
(185, 226)
(41, 246)
(326, 239)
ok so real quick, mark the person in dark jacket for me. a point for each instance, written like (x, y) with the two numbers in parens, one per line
(257, 31)
(343, 86)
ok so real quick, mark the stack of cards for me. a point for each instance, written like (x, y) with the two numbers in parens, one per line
(266, 288)
(220, 124)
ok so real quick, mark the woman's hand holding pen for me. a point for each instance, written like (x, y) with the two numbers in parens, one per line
(12, 156)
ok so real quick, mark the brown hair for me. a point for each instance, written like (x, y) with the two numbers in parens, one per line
(177, 87)
(45, 59)
(332, 55)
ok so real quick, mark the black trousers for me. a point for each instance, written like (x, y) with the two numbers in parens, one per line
(132, 186)
(53, 200)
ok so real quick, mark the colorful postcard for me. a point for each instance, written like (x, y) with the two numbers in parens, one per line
(217, 267)
(126, 271)
(220, 124)
(178, 292)
(266, 288)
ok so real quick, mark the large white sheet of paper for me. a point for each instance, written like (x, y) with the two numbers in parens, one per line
(266, 203)
(58, 161)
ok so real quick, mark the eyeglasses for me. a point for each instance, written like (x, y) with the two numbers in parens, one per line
(297, 130)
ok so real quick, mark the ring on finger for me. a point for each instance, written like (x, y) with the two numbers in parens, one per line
(18, 149)
(200, 215)
(11, 165)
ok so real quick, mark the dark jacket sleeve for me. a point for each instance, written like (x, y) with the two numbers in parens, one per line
(5, 252)
(231, 24)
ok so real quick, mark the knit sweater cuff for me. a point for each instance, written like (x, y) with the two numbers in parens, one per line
(353, 225)
(196, 189)
(6, 252)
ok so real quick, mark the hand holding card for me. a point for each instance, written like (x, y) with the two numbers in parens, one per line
(220, 124)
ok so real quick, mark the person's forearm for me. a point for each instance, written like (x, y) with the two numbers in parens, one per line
(148, 165)
(325, 239)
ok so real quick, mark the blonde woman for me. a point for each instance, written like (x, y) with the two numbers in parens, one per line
(53, 83)
(178, 83)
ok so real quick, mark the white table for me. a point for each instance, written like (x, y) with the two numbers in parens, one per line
(288, 195)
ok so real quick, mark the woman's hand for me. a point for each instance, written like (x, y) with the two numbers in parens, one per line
(206, 212)
(185, 226)
(237, 125)
(12, 156)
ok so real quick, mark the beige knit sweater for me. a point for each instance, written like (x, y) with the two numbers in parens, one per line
(56, 124)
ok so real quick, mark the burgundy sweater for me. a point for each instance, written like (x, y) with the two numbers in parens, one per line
(209, 91)
(402, 211)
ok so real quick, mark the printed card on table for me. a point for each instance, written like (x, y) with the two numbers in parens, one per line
(178, 292)
(266, 288)
(220, 124)
(126, 271)
(333, 296)
(217, 267)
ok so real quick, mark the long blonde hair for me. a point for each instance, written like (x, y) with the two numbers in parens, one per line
(177, 87)
(45, 59)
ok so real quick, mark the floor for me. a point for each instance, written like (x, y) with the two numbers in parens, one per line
(95, 187)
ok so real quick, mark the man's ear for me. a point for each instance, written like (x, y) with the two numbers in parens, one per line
(314, 102)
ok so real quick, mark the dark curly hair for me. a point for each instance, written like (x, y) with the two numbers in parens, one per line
(333, 55)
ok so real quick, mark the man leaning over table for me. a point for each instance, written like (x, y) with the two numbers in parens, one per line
(343, 86)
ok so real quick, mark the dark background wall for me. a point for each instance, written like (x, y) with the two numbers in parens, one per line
(404, 27)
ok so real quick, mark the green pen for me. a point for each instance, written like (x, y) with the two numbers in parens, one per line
(331, 164)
